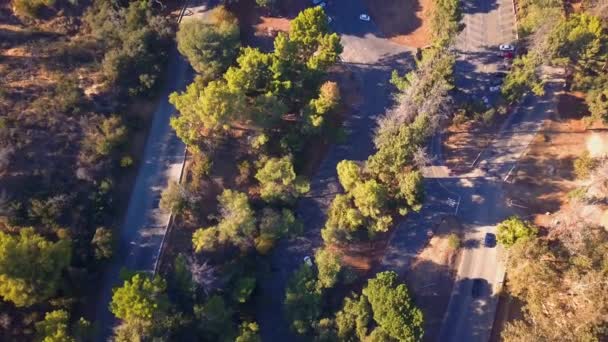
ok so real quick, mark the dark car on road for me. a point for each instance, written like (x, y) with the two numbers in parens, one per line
(477, 289)
(489, 240)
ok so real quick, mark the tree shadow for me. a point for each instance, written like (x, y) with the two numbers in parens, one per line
(395, 17)
(470, 313)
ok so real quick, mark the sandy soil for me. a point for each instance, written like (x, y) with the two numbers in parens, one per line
(403, 21)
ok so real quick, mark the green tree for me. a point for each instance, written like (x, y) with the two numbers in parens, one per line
(237, 224)
(278, 181)
(328, 268)
(597, 101)
(249, 332)
(302, 300)
(513, 229)
(140, 300)
(31, 266)
(411, 189)
(353, 319)
(302, 56)
(205, 239)
(216, 319)
(103, 243)
(523, 78)
(211, 107)
(393, 309)
(445, 21)
(106, 137)
(210, 47)
(252, 74)
(54, 327)
(349, 174)
(243, 288)
(273, 226)
(370, 198)
(328, 99)
(175, 198)
(135, 41)
(396, 149)
(343, 218)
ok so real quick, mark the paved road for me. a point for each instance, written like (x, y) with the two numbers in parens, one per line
(483, 203)
(371, 58)
(145, 224)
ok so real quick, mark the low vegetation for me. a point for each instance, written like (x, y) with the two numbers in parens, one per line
(70, 74)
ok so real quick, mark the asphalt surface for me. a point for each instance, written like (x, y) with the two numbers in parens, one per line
(144, 225)
(372, 59)
(484, 204)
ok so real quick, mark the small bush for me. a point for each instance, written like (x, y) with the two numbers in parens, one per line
(30, 8)
(488, 116)
(454, 241)
(126, 162)
(583, 165)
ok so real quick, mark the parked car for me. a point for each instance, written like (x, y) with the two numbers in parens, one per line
(316, 2)
(308, 261)
(508, 55)
(506, 47)
(365, 17)
(494, 89)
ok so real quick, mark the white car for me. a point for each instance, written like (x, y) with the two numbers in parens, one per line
(506, 47)
(308, 261)
(365, 17)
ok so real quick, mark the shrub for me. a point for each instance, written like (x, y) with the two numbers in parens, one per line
(30, 8)
(514, 229)
(454, 241)
(583, 165)
(126, 161)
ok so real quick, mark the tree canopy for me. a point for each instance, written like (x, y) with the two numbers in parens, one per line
(562, 286)
(393, 309)
(237, 224)
(209, 45)
(54, 327)
(303, 299)
(278, 181)
(140, 299)
(31, 266)
(514, 229)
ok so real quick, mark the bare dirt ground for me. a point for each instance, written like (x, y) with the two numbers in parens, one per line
(403, 21)
(260, 26)
(463, 143)
(544, 176)
(431, 276)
